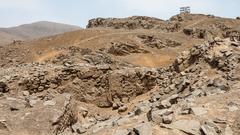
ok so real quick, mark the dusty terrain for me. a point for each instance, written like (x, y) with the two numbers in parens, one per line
(127, 76)
(32, 31)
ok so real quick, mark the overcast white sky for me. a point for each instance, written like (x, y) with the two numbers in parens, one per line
(78, 12)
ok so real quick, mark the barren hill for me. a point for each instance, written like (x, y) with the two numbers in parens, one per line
(151, 34)
(125, 76)
(33, 31)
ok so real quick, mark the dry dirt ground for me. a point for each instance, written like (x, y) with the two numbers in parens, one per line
(127, 76)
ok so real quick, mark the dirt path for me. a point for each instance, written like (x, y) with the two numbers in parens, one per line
(104, 35)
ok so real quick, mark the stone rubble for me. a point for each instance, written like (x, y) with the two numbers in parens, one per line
(205, 70)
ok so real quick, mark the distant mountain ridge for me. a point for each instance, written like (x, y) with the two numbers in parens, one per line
(34, 30)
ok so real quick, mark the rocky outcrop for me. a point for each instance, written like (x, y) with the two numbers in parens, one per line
(197, 33)
(127, 23)
(158, 43)
(218, 54)
(122, 49)
(99, 58)
(234, 35)
(135, 22)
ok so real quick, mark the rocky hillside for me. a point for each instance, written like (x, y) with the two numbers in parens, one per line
(33, 31)
(123, 82)
(195, 25)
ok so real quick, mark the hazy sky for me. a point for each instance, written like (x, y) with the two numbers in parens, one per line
(78, 12)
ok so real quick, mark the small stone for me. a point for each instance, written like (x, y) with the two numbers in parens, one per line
(123, 121)
(167, 119)
(77, 127)
(3, 87)
(221, 84)
(197, 93)
(142, 107)
(115, 106)
(218, 39)
(90, 121)
(102, 125)
(173, 99)
(144, 129)
(49, 103)
(208, 130)
(3, 126)
(198, 111)
(233, 108)
(122, 132)
(25, 93)
(83, 111)
(43, 81)
(236, 44)
(125, 100)
(220, 120)
(228, 53)
(165, 104)
(16, 104)
(188, 126)
(137, 111)
(157, 116)
(40, 88)
(33, 102)
(184, 112)
(228, 131)
(122, 109)
(102, 117)
(183, 73)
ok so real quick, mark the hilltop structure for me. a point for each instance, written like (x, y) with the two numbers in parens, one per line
(185, 10)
